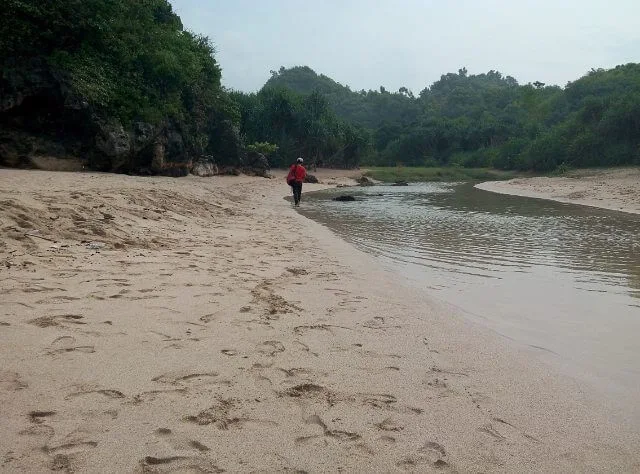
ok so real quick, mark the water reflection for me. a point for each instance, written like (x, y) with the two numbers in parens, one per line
(559, 277)
(458, 229)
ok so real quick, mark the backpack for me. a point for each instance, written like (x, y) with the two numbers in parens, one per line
(291, 177)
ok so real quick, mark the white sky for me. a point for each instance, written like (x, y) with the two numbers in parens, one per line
(394, 43)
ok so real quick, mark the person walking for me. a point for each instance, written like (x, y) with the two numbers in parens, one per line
(295, 178)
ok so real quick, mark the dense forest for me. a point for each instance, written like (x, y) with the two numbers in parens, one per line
(123, 85)
(489, 120)
(301, 125)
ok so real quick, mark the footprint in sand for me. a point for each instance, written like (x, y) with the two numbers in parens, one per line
(165, 337)
(38, 434)
(57, 320)
(310, 391)
(386, 402)
(84, 349)
(387, 440)
(326, 432)
(226, 414)
(151, 395)
(378, 400)
(199, 446)
(509, 427)
(439, 381)
(301, 330)
(179, 444)
(491, 431)
(303, 373)
(431, 453)
(378, 323)
(57, 300)
(66, 344)
(271, 348)
(179, 464)
(218, 415)
(274, 304)
(70, 448)
(207, 318)
(67, 457)
(297, 271)
(448, 372)
(38, 417)
(306, 390)
(11, 381)
(190, 378)
(104, 393)
(388, 425)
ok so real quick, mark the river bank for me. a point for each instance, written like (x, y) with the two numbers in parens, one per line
(415, 174)
(617, 189)
(156, 324)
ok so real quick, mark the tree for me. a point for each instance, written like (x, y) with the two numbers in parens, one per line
(265, 148)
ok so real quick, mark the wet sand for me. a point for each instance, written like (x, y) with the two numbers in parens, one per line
(617, 189)
(201, 325)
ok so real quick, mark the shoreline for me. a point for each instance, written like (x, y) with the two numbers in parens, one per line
(202, 318)
(615, 189)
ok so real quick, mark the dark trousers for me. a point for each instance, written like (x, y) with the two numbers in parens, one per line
(297, 192)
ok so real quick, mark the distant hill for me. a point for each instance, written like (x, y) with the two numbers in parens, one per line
(490, 120)
(304, 80)
(369, 109)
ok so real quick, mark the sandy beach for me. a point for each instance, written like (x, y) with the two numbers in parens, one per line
(617, 189)
(152, 324)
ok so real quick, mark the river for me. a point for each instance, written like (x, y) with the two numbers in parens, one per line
(561, 279)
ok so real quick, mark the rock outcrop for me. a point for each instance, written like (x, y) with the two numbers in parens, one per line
(205, 168)
(364, 181)
(43, 123)
(344, 198)
(113, 142)
(256, 164)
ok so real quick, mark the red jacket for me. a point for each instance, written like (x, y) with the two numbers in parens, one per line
(297, 173)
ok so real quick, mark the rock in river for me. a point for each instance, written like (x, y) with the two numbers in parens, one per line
(344, 197)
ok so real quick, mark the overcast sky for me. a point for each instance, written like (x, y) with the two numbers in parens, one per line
(394, 43)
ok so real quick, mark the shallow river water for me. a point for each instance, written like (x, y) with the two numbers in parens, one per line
(562, 279)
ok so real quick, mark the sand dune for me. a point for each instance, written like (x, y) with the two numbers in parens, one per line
(202, 325)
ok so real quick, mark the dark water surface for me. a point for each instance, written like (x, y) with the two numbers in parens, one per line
(561, 278)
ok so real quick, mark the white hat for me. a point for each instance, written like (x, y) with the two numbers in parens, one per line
(299, 160)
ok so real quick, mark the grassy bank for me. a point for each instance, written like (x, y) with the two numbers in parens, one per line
(415, 174)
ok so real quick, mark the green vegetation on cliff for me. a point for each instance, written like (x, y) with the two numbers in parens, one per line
(130, 59)
(95, 62)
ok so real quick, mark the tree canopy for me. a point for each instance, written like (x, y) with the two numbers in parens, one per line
(119, 60)
(490, 120)
(300, 125)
